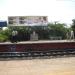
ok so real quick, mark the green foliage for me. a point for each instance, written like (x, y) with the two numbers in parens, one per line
(73, 25)
(3, 38)
(44, 32)
(57, 29)
(5, 35)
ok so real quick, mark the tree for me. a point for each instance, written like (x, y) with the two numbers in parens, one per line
(73, 26)
(5, 35)
(57, 29)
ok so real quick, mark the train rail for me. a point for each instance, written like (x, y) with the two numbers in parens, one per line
(38, 53)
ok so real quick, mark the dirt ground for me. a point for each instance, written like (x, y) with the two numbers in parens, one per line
(53, 66)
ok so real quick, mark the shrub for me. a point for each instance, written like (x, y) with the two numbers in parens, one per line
(3, 38)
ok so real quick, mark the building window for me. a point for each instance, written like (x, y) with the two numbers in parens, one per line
(12, 18)
(21, 18)
(44, 18)
(21, 22)
(10, 22)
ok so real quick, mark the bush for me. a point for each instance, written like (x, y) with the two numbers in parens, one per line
(3, 38)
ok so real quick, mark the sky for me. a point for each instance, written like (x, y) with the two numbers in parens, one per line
(62, 11)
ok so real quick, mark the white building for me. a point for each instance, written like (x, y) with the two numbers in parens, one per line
(27, 20)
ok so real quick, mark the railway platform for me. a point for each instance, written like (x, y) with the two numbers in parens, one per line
(37, 48)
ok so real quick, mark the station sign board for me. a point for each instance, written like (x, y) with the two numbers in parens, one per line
(3, 24)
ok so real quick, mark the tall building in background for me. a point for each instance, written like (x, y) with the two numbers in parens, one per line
(27, 20)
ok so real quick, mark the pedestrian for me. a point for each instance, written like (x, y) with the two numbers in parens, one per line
(14, 36)
(67, 35)
(71, 35)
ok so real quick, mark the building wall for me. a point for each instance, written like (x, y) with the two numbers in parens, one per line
(27, 20)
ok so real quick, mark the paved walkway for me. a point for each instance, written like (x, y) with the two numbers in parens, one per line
(40, 41)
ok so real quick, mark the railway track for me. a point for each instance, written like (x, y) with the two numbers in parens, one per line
(38, 53)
